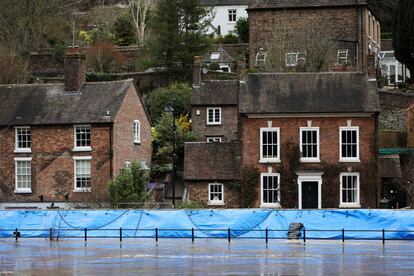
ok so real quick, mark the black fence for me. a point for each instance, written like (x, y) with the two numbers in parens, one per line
(197, 233)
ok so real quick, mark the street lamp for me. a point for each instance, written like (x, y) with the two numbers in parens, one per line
(169, 109)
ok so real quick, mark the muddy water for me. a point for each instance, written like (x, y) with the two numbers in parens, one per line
(205, 257)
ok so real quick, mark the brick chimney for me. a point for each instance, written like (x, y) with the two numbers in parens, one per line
(74, 70)
(241, 68)
(197, 71)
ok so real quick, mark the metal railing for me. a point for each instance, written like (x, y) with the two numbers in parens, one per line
(54, 234)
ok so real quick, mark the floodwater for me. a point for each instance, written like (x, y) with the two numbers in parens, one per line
(204, 257)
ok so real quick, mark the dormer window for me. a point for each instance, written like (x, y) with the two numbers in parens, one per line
(82, 135)
(23, 140)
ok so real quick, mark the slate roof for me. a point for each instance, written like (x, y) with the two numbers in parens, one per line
(216, 92)
(282, 4)
(308, 93)
(45, 104)
(212, 161)
(224, 2)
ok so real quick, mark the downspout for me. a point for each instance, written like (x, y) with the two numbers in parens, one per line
(111, 166)
(357, 34)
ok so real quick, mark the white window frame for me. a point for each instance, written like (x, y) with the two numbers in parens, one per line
(349, 159)
(297, 57)
(340, 59)
(291, 64)
(137, 132)
(267, 204)
(356, 204)
(269, 160)
(261, 58)
(17, 149)
(81, 158)
(216, 202)
(213, 139)
(82, 148)
(310, 159)
(18, 190)
(214, 116)
(232, 15)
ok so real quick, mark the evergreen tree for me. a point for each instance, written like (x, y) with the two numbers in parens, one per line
(181, 26)
(403, 33)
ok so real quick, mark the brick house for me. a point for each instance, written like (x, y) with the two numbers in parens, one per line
(62, 143)
(313, 138)
(310, 136)
(349, 24)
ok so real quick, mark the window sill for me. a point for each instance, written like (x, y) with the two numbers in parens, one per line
(23, 191)
(83, 190)
(215, 203)
(349, 205)
(353, 160)
(214, 124)
(310, 160)
(82, 149)
(23, 151)
(270, 205)
(267, 161)
(137, 142)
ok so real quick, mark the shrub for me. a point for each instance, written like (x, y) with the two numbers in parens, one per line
(123, 30)
(129, 186)
(242, 29)
(214, 66)
(230, 39)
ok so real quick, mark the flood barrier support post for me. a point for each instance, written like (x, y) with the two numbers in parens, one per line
(304, 235)
(86, 234)
(228, 234)
(120, 234)
(343, 235)
(156, 234)
(192, 235)
(267, 236)
(383, 236)
(16, 234)
(50, 234)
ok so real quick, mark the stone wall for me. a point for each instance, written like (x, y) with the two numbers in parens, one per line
(394, 107)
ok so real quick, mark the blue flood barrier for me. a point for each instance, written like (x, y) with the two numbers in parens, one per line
(243, 223)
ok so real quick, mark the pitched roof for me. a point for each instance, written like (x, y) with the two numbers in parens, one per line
(216, 92)
(282, 4)
(220, 161)
(45, 104)
(308, 93)
(224, 2)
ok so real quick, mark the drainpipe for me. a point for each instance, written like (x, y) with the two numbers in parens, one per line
(111, 166)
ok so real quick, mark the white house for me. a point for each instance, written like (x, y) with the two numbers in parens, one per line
(395, 71)
(226, 13)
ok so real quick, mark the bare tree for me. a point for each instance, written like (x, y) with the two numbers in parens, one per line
(141, 16)
(25, 24)
(13, 68)
(306, 50)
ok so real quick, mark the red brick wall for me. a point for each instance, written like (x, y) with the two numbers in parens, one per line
(329, 155)
(53, 164)
(341, 23)
(228, 128)
(124, 147)
(198, 192)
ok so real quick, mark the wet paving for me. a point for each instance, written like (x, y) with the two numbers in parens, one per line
(205, 257)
